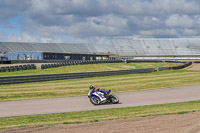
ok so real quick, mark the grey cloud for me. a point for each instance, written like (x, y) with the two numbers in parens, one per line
(158, 33)
(111, 17)
(177, 20)
(100, 19)
(190, 32)
(12, 8)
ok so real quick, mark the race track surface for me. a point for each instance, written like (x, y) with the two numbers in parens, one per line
(70, 104)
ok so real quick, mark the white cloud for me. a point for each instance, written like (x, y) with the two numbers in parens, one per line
(183, 21)
(158, 32)
(190, 32)
(97, 20)
(26, 37)
(109, 18)
(178, 6)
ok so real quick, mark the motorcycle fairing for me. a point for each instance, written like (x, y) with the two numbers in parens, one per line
(98, 94)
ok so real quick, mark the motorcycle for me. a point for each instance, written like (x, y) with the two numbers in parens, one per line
(102, 96)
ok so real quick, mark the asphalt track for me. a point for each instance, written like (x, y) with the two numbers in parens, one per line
(70, 104)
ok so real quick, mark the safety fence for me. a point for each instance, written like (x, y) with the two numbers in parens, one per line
(51, 77)
(175, 67)
(17, 68)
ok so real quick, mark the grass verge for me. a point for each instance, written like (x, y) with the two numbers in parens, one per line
(100, 115)
(119, 83)
(90, 68)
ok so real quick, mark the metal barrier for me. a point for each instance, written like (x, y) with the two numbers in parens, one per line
(163, 68)
(181, 66)
(176, 67)
(51, 77)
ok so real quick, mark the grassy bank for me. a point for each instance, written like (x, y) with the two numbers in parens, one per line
(79, 87)
(89, 68)
(100, 115)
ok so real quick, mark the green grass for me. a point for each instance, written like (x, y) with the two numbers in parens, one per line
(100, 115)
(79, 87)
(89, 68)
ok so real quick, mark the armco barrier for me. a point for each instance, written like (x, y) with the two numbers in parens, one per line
(51, 77)
(196, 61)
(163, 68)
(181, 66)
(176, 67)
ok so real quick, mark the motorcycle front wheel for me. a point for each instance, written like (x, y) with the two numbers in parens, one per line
(114, 99)
(95, 100)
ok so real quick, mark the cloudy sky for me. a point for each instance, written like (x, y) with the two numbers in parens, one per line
(97, 21)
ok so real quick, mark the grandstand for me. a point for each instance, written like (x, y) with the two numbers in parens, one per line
(47, 47)
(158, 48)
(49, 51)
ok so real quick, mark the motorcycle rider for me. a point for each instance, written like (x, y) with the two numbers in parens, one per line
(94, 88)
(100, 96)
(98, 89)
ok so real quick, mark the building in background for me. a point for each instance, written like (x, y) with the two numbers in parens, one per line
(49, 51)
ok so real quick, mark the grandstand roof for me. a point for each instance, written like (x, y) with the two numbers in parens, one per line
(157, 46)
(48, 47)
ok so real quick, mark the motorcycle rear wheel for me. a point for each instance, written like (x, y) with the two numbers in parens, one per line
(114, 99)
(95, 101)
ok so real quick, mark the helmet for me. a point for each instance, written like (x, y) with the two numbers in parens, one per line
(91, 87)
